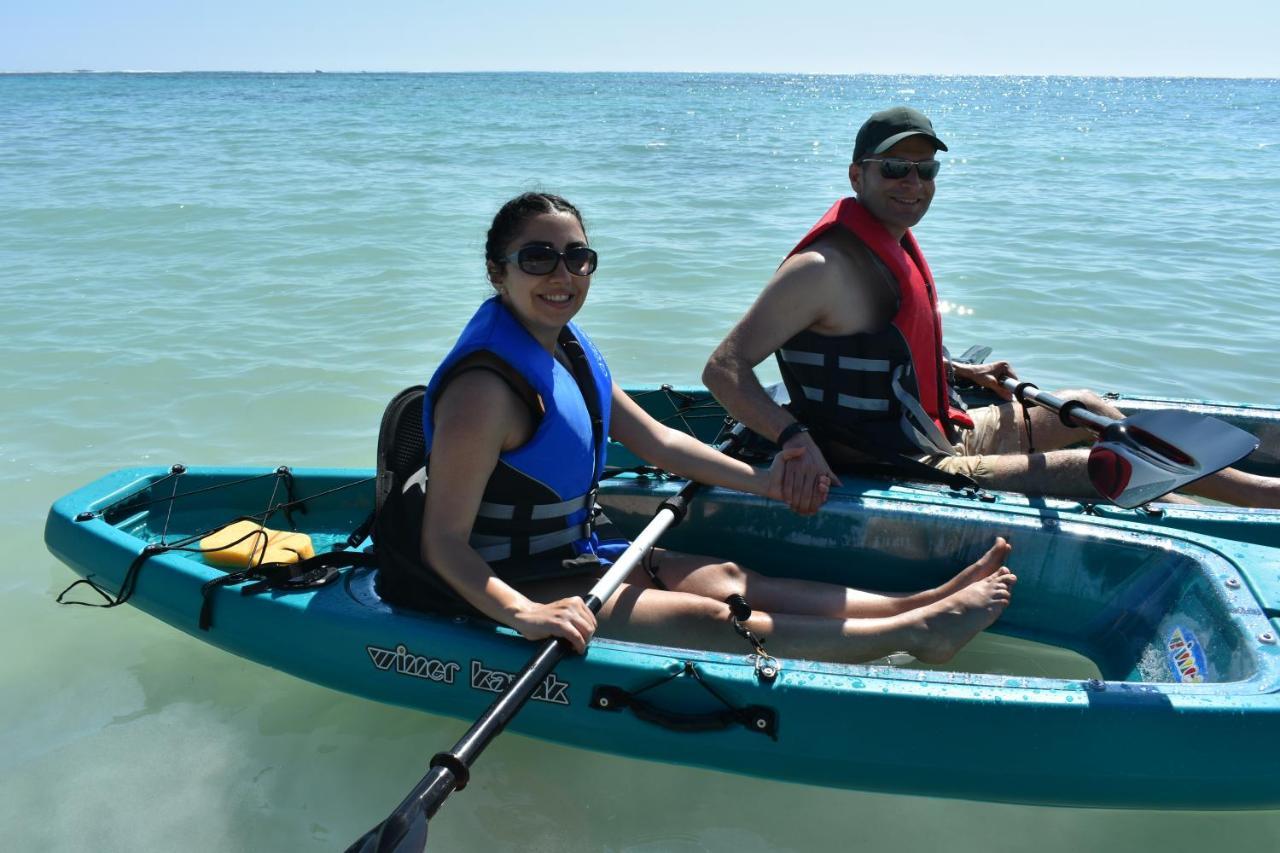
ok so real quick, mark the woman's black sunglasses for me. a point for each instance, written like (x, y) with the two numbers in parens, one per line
(895, 169)
(541, 259)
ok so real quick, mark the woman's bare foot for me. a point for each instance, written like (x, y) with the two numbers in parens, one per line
(947, 625)
(985, 566)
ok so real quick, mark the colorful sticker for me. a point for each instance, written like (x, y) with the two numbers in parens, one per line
(1186, 656)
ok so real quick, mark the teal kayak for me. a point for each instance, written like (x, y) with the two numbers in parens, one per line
(695, 411)
(1179, 628)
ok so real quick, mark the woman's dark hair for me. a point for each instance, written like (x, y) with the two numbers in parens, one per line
(515, 213)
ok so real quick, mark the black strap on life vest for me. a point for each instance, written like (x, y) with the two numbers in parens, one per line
(890, 462)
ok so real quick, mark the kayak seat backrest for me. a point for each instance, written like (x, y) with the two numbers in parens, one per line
(402, 447)
(397, 528)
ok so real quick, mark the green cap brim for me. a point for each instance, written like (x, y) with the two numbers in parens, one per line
(898, 137)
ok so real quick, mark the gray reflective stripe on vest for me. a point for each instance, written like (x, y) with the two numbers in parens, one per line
(866, 365)
(540, 511)
(812, 359)
(844, 362)
(492, 548)
(508, 511)
(861, 404)
(916, 423)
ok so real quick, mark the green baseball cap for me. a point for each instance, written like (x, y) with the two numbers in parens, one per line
(888, 127)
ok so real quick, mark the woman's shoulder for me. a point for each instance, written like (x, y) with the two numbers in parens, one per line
(483, 382)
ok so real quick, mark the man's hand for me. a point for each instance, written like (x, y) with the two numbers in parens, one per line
(987, 376)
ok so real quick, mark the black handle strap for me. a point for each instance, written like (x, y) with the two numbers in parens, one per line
(755, 718)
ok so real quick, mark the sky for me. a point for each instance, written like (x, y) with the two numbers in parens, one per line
(1082, 37)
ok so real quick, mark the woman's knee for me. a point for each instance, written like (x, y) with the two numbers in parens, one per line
(708, 610)
(734, 574)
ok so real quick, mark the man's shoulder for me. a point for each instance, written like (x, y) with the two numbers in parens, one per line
(839, 256)
(854, 287)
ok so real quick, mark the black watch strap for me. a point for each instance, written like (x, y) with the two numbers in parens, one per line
(790, 432)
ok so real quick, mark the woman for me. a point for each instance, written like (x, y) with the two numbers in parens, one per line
(516, 420)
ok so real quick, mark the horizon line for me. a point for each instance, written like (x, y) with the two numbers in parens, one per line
(1122, 76)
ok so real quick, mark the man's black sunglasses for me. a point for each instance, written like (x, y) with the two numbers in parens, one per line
(895, 168)
(541, 259)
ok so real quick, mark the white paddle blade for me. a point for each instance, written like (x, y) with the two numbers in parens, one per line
(1153, 453)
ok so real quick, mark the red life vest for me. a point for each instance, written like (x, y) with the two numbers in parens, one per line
(917, 319)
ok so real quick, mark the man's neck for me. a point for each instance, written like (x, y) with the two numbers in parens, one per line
(897, 233)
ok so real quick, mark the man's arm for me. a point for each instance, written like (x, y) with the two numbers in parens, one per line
(791, 302)
(820, 289)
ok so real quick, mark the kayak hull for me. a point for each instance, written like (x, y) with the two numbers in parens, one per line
(1109, 589)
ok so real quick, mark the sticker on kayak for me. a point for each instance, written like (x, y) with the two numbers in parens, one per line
(1186, 656)
(406, 662)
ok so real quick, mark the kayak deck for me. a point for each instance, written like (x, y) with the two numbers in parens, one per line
(1181, 627)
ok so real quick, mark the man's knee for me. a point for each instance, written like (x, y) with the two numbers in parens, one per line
(1093, 401)
(1084, 395)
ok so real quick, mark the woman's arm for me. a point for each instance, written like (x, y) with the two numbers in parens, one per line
(476, 418)
(683, 454)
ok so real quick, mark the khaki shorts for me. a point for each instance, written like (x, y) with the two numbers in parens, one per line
(997, 431)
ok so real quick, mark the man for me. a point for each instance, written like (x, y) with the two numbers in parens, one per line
(852, 316)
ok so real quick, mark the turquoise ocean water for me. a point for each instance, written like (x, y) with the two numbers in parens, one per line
(222, 269)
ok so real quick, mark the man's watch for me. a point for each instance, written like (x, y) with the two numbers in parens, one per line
(790, 432)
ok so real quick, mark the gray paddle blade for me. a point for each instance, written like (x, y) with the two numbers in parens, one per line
(1150, 454)
(397, 834)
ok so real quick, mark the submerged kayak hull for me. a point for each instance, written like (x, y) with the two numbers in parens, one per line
(1112, 590)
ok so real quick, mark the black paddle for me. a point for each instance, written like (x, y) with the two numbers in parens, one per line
(1147, 455)
(406, 828)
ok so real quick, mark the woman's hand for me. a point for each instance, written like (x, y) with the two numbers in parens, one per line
(568, 618)
(799, 476)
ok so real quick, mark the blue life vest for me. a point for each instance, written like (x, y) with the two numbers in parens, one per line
(540, 500)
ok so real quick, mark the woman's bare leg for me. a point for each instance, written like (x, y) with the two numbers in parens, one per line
(718, 579)
(933, 633)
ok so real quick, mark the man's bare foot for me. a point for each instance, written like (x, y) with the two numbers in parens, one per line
(947, 625)
(985, 566)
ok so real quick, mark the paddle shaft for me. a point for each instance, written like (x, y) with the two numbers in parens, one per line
(1076, 414)
(405, 828)
(441, 781)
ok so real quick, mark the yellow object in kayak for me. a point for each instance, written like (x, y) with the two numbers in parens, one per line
(247, 543)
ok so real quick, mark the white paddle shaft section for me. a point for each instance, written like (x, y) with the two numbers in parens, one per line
(617, 573)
